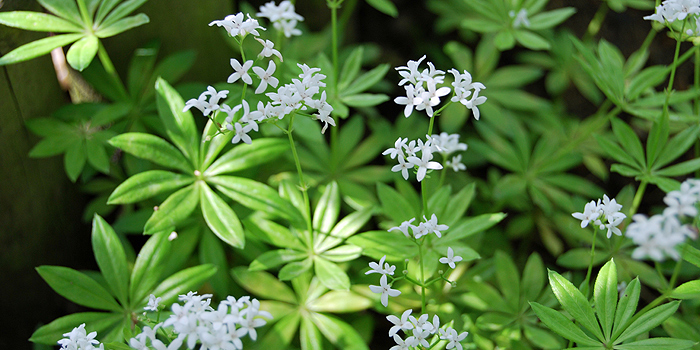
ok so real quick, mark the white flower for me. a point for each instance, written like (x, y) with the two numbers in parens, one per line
(431, 98)
(521, 19)
(403, 344)
(241, 133)
(451, 258)
(424, 163)
(456, 163)
(433, 226)
(404, 227)
(153, 303)
(266, 77)
(446, 144)
(681, 202)
(282, 16)
(381, 267)
(671, 10)
(385, 290)
(79, 339)
(454, 340)
(268, 49)
(474, 102)
(410, 73)
(400, 324)
(411, 99)
(240, 71)
(397, 149)
(205, 106)
(590, 213)
(403, 167)
(420, 335)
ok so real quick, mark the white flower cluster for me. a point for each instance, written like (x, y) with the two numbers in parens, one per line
(605, 215)
(79, 339)
(282, 16)
(672, 10)
(418, 330)
(424, 228)
(422, 92)
(300, 94)
(658, 236)
(405, 152)
(197, 322)
(384, 288)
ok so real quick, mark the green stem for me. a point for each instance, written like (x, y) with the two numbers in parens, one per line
(637, 199)
(422, 278)
(590, 264)
(596, 22)
(84, 14)
(302, 184)
(109, 68)
(673, 72)
(334, 5)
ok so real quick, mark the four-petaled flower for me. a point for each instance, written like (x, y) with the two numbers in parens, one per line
(451, 258)
(385, 290)
(240, 71)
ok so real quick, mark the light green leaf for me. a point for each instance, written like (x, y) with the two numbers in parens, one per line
(220, 218)
(341, 334)
(124, 9)
(81, 53)
(687, 290)
(66, 9)
(177, 207)
(394, 205)
(574, 303)
(533, 277)
(36, 21)
(271, 232)
(351, 67)
(182, 282)
(648, 320)
(294, 269)
(343, 253)
(330, 275)
(626, 307)
(257, 196)
(615, 151)
(246, 156)
(364, 100)
(111, 258)
(605, 297)
(338, 301)
(146, 185)
(148, 266)
(507, 274)
(309, 336)
(374, 244)
(179, 125)
(152, 148)
(531, 40)
(541, 338)
(629, 141)
(212, 251)
(678, 145)
(263, 285)
(106, 30)
(690, 254)
(562, 325)
(648, 78)
(471, 226)
(78, 288)
(550, 19)
(657, 344)
(680, 169)
(282, 333)
(103, 10)
(274, 258)
(384, 6)
(327, 209)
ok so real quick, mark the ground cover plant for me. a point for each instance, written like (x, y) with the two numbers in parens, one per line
(324, 196)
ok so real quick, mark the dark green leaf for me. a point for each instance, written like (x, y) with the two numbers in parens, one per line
(680, 169)
(648, 320)
(177, 207)
(179, 125)
(550, 19)
(94, 322)
(148, 266)
(507, 274)
(152, 148)
(351, 67)
(97, 155)
(366, 81)
(341, 334)
(124, 9)
(106, 30)
(246, 156)
(471, 226)
(629, 141)
(36, 21)
(393, 204)
(626, 307)
(63, 8)
(384, 6)
(75, 159)
(574, 303)
(364, 100)
(182, 282)
(657, 344)
(531, 40)
(37, 48)
(562, 325)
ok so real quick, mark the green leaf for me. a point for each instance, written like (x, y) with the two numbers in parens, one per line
(106, 30)
(366, 80)
(37, 48)
(364, 100)
(66, 9)
(393, 204)
(471, 226)
(94, 322)
(531, 40)
(605, 296)
(212, 251)
(148, 266)
(179, 125)
(574, 303)
(97, 155)
(504, 40)
(111, 258)
(177, 207)
(690, 254)
(384, 6)
(343, 253)
(327, 209)
(373, 244)
(75, 159)
(282, 333)
(309, 336)
(338, 301)
(615, 151)
(81, 53)
(78, 287)
(657, 344)
(629, 141)
(257, 196)
(263, 285)
(341, 334)
(533, 277)
(506, 274)
(52, 145)
(122, 10)
(648, 78)
(220, 218)
(687, 290)
(680, 169)
(562, 325)
(246, 156)
(550, 19)
(152, 148)
(330, 275)
(274, 258)
(104, 8)
(351, 68)
(146, 185)
(541, 338)
(678, 145)
(352, 223)
(648, 320)
(294, 269)
(36, 21)
(271, 232)
(183, 282)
